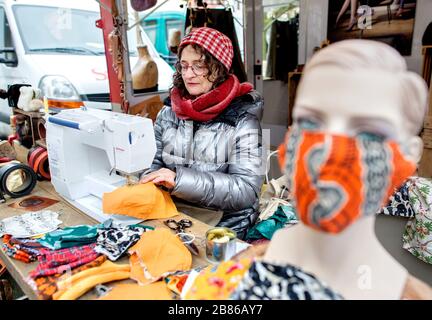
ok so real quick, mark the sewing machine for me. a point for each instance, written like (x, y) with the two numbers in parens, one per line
(94, 151)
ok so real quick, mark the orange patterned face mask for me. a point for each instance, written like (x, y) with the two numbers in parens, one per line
(336, 179)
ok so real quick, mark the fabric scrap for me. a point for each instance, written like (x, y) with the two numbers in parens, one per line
(71, 288)
(132, 291)
(70, 237)
(157, 254)
(30, 224)
(115, 241)
(142, 201)
(218, 282)
(417, 237)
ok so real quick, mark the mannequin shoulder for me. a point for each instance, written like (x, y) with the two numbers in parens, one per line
(416, 289)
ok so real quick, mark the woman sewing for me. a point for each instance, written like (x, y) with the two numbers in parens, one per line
(208, 134)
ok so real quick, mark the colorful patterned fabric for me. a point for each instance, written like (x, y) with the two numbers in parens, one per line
(15, 252)
(265, 281)
(214, 41)
(70, 237)
(417, 238)
(399, 203)
(326, 172)
(60, 261)
(114, 242)
(218, 282)
(30, 224)
(47, 286)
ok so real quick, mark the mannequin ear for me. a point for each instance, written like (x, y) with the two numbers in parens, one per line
(415, 149)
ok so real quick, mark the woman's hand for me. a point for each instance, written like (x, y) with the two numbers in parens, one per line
(162, 176)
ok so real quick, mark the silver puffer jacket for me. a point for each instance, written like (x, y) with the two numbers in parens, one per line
(219, 164)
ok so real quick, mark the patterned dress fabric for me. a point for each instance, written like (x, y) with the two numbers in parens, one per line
(266, 281)
(417, 238)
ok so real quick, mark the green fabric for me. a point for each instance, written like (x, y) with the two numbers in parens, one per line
(77, 235)
(70, 237)
(266, 228)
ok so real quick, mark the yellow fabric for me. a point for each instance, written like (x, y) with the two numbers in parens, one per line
(157, 253)
(218, 283)
(86, 284)
(73, 287)
(132, 291)
(105, 267)
(142, 201)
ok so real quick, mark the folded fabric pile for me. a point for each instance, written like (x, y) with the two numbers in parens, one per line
(25, 250)
(70, 237)
(46, 286)
(142, 201)
(64, 260)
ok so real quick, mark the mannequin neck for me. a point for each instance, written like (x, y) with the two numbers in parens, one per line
(353, 263)
(143, 52)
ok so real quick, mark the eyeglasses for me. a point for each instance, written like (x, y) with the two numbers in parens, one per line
(198, 68)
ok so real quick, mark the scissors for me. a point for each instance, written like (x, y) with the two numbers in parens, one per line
(179, 228)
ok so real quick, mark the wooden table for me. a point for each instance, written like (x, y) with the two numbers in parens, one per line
(72, 216)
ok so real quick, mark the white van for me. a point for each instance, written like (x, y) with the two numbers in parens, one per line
(55, 45)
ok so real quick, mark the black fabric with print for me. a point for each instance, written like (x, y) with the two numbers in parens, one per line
(265, 281)
(399, 203)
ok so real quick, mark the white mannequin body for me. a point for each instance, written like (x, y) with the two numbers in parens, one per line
(356, 86)
(353, 263)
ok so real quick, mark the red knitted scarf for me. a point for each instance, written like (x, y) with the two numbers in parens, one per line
(209, 105)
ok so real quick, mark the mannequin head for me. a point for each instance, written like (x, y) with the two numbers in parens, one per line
(354, 139)
(357, 86)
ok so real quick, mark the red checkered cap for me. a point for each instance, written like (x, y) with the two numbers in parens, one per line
(215, 42)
